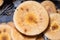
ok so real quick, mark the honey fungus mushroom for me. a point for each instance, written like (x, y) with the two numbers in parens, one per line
(1, 2)
(49, 6)
(16, 35)
(27, 18)
(53, 31)
(5, 32)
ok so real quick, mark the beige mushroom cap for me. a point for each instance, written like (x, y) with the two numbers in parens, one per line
(53, 31)
(30, 18)
(1, 2)
(49, 6)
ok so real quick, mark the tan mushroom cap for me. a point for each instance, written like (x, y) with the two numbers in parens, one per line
(30, 18)
(18, 36)
(1, 2)
(15, 34)
(49, 6)
(5, 32)
(54, 30)
(11, 24)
